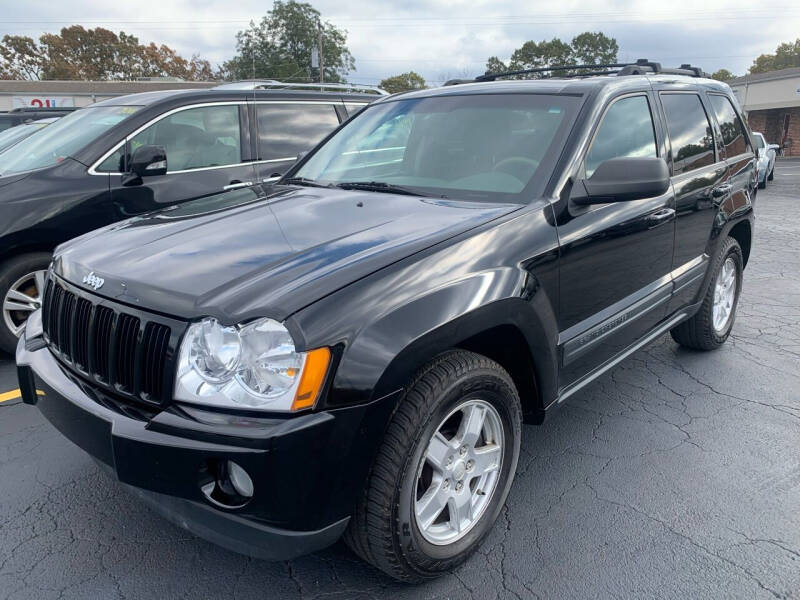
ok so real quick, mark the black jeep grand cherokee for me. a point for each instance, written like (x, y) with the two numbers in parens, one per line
(353, 350)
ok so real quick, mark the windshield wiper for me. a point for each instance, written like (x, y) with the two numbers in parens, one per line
(304, 181)
(378, 186)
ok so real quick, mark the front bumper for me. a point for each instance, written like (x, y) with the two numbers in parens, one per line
(306, 470)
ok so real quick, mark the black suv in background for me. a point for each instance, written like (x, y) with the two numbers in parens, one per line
(352, 351)
(137, 153)
(17, 116)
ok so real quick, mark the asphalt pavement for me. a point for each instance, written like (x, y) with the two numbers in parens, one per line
(676, 475)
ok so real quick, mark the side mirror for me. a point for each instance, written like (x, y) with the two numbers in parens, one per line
(149, 160)
(622, 179)
(146, 161)
(774, 146)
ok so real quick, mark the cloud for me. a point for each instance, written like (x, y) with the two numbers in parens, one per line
(442, 38)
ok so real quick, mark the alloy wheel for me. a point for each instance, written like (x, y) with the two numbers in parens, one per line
(23, 297)
(459, 472)
(724, 295)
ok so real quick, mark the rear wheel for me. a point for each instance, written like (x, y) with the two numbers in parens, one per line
(444, 470)
(21, 290)
(712, 324)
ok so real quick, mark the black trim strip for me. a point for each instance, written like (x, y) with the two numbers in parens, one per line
(624, 312)
(684, 280)
(594, 374)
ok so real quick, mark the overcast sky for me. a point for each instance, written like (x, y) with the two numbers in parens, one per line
(441, 39)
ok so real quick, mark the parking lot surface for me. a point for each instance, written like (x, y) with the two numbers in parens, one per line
(676, 475)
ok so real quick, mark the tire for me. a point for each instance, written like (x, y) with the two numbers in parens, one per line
(699, 332)
(771, 175)
(11, 272)
(762, 184)
(384, 528)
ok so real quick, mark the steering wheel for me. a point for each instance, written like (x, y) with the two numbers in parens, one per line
(520, 167)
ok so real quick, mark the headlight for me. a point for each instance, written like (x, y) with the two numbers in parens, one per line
(254, 365)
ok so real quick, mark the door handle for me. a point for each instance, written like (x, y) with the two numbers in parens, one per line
(661, 216)
(721, 190)
(233, 185)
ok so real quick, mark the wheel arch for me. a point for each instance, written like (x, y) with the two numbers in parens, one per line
(17, 245)
(742, 232)
(502, 331)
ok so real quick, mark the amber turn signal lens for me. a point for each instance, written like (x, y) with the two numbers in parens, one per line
(313, 377)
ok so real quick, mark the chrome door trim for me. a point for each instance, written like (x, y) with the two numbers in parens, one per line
(92, 169)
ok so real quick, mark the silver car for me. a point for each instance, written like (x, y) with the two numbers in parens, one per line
(766, 159)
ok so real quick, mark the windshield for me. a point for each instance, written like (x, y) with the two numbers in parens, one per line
(760, 141)
(482, 147)
(9, 137)
(63, 138)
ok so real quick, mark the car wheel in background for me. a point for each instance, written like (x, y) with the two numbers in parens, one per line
(21, 290)
(442, 475)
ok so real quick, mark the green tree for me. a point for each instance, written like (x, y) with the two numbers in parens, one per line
(787, 55)
(405, 82)
(585, 48)
(94, 54)
(594, 48)
(722, 75)
(281, 44)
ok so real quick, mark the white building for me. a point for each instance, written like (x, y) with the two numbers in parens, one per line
(14, 94)
(772, 103)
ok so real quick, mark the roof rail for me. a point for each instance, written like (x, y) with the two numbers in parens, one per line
(640, 67)
(273, 84)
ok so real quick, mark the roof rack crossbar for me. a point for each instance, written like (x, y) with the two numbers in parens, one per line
(493, 76)
(640, 67)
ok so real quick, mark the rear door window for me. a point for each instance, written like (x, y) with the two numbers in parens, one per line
(689, 131)
(733, 132)
(286, 130)
(626, 131)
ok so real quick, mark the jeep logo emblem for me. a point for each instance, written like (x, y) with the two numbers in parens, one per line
(93, 281)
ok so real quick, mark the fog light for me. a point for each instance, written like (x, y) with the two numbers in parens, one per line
(240, 479)
(224, 483)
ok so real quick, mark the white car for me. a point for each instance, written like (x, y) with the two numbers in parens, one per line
(766, 159)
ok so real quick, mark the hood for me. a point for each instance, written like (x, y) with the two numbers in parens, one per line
(12, 178)
(244, 254)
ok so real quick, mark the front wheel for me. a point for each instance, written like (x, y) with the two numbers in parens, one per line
(712, 324)
(771, 175)
(444, 469)
(21, 290)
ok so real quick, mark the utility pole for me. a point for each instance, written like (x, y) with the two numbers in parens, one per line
(319, 49)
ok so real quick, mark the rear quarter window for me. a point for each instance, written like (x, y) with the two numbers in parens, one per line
(733, 132)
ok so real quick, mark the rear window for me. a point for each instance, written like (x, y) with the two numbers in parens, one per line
(689, 132)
